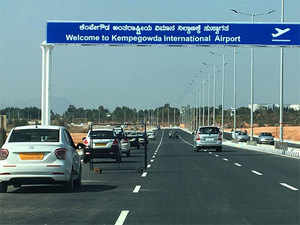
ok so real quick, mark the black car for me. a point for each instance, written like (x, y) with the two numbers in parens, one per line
(133, 139)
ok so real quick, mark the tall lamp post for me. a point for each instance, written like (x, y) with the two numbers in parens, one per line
(253, 15)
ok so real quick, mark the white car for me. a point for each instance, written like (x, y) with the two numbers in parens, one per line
(151, 135)
(39, 155)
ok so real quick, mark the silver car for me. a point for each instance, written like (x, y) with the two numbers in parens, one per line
(208, 137)
(242, 137)
(265, 138)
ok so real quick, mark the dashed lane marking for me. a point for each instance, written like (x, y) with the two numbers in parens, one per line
(237, 164)
(122, 217)
(152, 160)
(289, 187)
(144, 174)
(257, 173)
(137, 189)
(225, 159)
(149, 165)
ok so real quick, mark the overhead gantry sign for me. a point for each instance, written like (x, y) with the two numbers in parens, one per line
(159, 33)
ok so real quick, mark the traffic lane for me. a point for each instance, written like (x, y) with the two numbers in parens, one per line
(279, 168)
(283, 169)
(186, 187)
(99, 201)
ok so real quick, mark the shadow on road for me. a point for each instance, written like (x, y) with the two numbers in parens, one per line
(60, 189)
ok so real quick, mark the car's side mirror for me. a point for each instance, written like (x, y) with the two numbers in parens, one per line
(83, 138)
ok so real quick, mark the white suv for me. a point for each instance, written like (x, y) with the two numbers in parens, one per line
(39, 155)
(208, 137)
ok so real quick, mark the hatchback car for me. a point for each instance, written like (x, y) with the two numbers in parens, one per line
(265, 138)
(102, 143)
(39, 155)
(208, 137)
(125, 145)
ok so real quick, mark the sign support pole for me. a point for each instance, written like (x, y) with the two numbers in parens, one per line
(46, 73)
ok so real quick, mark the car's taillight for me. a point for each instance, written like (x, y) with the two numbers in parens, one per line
(125, 140)
(115, 142)
(198, 137)
(60, 153)
(3, 154)
(85, 142)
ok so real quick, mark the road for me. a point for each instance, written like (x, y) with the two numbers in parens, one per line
(181, 187)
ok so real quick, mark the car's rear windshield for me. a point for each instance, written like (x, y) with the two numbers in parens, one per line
(34, 135)
(209, 130)
(102, 134)
(266, 134)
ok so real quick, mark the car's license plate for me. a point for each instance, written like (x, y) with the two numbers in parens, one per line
(100, 144)
(210, 139)
(31, 156)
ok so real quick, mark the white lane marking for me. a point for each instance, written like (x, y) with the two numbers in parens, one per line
(237, 164)
(152, 160)
(185, 141)
(225, 159)
(122, 217)
(209, 153)
(162, 136)
(289, 186)
(153, 157)
(205, 150)
(137, 189)
(257, 173)
(144, 174)
(149, 165)
(217, 155)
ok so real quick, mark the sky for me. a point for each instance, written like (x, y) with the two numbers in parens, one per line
(140, 77)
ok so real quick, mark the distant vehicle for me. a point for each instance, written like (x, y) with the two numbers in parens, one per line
(265, 138)
(133, 139)
(235, 133)
(39, 155)
(141, 138)
(242, 137)
(151, 135)
(170, 134)
(103, 143)
(208, 137)
(125, 145)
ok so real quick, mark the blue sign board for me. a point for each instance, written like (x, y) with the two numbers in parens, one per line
(130, 33)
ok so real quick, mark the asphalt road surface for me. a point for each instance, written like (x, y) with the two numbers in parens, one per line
(180, 187)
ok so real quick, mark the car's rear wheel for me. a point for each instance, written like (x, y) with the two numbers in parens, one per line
(128, 154)
(138, 147)
(118, 157)
(69, 186)
(77, 182)
(219, 149)
(3, 187)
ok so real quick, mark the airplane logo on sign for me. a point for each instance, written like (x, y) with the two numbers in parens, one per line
(280, 32)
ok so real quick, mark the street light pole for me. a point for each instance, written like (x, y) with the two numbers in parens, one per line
(234, 89)
(208, 87)
(214, 112)
(252, 62)
(223, 79)
(281, 79)
(203, 103)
